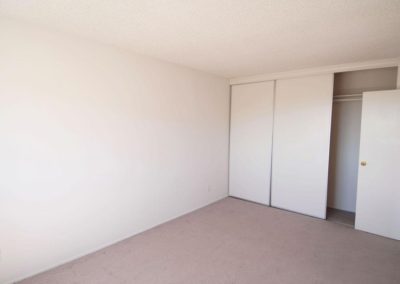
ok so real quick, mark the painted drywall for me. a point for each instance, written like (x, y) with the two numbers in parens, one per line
(345, 132)
(345, 147)
(98, 144)
(356, 82)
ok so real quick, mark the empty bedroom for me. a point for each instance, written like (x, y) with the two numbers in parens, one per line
(199, 141)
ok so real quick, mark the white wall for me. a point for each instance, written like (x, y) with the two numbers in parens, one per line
(98, 144)
(357, 82)
(345, 147)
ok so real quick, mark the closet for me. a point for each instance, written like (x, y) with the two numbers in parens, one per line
(325, 145)
(345, 137)
(281, 129)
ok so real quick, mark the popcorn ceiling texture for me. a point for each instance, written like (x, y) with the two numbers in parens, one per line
(226, 37)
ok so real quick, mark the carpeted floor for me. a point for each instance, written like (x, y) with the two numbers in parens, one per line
(234, 241)
(341, 217)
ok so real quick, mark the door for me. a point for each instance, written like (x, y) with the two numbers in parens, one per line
(250, 141)
(378, 191)
(302, 124)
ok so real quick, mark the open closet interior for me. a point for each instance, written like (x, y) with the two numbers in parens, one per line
(345, 137)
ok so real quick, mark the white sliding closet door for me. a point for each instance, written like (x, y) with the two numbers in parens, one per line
(303, 108)
(250, 141)
(378, 191)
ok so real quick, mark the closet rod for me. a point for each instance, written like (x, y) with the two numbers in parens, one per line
(346, 98)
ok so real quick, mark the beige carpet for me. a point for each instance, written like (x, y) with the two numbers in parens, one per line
(341, 217)
(234, 241)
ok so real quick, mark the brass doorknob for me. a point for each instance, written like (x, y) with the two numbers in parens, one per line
(363, 163)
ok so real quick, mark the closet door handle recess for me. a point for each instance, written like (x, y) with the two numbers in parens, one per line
(363, 163)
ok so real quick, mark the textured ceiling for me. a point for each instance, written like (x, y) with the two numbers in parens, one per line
(229, 37)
